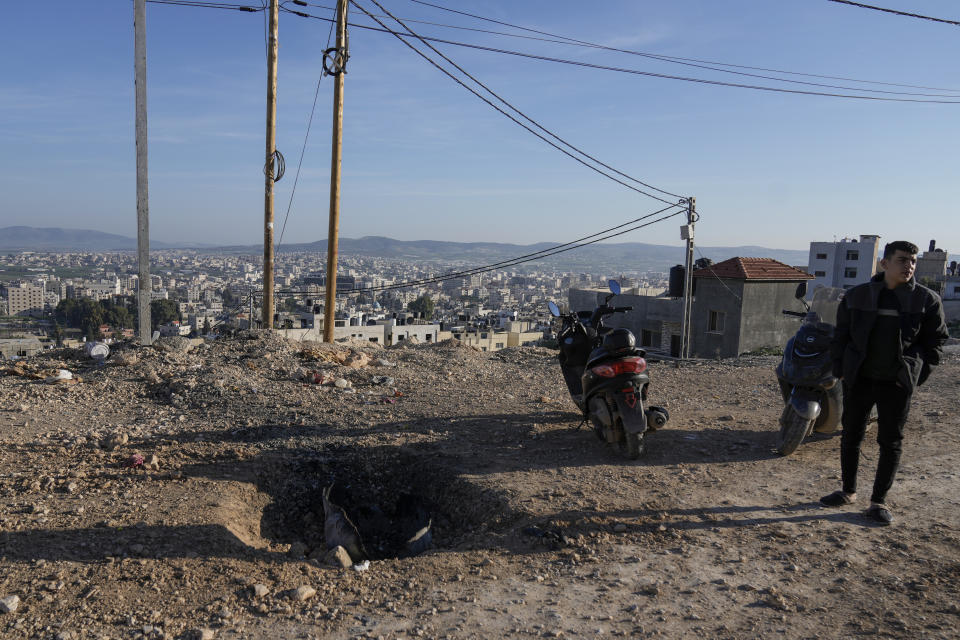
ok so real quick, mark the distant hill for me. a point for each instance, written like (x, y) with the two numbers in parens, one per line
(57, 239)
(625, 256)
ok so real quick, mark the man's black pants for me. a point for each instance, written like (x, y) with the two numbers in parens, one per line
(893, 404)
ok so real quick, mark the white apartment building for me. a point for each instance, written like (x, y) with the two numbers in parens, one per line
(25, 299)
(842, 264)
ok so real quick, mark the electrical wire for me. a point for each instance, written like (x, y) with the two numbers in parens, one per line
(894, 11)
(306, 137)
(639, 72)
(568, 40)
(552, 144)
(521, 114)
(690, 62)
(606, 234)
(210, 5)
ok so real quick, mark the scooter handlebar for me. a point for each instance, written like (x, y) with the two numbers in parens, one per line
(799, 314)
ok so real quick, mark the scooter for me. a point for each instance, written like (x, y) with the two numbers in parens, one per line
(812, 395)
(606, 375)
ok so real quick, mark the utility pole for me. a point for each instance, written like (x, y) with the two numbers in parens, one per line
(270, 167)
(143, 211)
(336, 69)
(686, 233)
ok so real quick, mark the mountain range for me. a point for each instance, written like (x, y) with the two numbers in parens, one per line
(625, 256)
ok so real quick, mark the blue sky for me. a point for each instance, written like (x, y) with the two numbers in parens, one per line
(424, 159)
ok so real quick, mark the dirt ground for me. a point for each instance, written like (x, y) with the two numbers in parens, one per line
(539, 529)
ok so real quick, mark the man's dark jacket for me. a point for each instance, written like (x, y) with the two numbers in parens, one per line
(923, 330)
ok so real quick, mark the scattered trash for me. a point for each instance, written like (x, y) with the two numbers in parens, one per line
(98, 351)
(387, 380)
(361, 566)
(133, 462)
(388, 400)
(383, 362)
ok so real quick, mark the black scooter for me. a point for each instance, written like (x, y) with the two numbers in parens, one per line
(606, 375)
(812, 396)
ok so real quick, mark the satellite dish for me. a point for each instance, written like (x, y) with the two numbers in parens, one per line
(554, 309)
(614, 287)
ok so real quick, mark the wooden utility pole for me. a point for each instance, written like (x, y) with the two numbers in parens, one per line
(338, 69)
(686, 233)
(270, 167)
(143, 211)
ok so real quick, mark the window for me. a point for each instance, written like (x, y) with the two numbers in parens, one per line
(646, 338)
(956, 289)
(717, 319)
(499, 345)
(374, 340)
(850, 272)
(821, 256)
(820, 274)
(853, 255)
(483, 336)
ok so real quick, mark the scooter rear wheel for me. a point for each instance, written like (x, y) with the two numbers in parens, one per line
(632, 444)
(793, 429)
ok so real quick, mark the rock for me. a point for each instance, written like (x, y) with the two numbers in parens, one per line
(9, 604)
(71, 487)
(173, 344)
(383, 362)
(342, 383)
(297, 550)
(152, 462)
(303, 592)
(199, 634)
(125, 358)
(338, 557)
(116, 440)
(152, 377)
(619, 527)
(66, 635)
(727, 418)
(356, 361)
(260, 590)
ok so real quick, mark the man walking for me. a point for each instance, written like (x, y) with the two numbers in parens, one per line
(889, 335)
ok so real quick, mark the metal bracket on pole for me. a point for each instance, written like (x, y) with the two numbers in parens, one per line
(687, 233)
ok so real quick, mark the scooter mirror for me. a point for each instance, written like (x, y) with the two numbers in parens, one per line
(554, 309)
(801, 290)
(614, 287)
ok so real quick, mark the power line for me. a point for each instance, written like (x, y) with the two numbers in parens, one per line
(521, 114)
(542, 137)
(567, 40)
(210, 5)
(306, 137)
(893, 11)
(652, 74)
(606, 234)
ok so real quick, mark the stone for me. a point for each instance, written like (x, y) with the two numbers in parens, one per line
(303, 592)
(152, 462)
(259, 590)
(200, 634)
(297, 550)
(619, 527)
(342, 383)
(338, 557)
(116, 440)
(9, 604)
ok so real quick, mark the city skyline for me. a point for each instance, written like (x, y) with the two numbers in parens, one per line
(425, 159)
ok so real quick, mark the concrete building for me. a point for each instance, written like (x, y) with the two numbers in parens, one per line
(842, 264)
(25, 299)
(932, 268)
(736, 309)
(738, 306)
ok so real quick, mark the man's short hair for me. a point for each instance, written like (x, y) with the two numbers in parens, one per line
(899, 245)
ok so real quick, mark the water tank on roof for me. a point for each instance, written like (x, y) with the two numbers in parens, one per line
(677, 276)
(933, 245)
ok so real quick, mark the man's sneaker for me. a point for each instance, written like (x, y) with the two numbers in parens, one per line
(880, 514)
(838, 499)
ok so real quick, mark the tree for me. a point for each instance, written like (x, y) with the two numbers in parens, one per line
(228, 298)
(424, 305)
(163, 312)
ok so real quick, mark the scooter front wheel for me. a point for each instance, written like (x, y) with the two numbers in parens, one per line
(793, 429)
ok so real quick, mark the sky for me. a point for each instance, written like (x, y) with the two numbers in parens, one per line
(425, 159)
